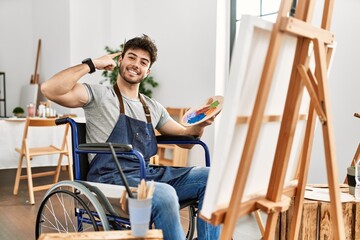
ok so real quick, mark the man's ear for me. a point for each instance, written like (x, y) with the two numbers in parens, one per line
(147, 72)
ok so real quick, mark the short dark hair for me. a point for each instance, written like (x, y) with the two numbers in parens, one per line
(145, 43)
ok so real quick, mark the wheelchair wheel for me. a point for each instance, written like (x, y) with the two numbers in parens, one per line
(188, 221)
(70, 207)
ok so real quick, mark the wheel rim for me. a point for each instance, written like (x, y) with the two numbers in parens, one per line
(63, 211)
(188, 218)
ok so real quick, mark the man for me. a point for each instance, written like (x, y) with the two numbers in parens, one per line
(121, 114)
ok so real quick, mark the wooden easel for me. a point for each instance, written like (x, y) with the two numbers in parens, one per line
(35, 78)
(277, 198)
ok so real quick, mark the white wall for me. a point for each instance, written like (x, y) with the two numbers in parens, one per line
(185, 34)
(17, 53)
(344, 85)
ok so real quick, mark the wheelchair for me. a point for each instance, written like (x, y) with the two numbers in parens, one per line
(82, 206)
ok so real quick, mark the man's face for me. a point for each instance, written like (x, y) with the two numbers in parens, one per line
(134, 67)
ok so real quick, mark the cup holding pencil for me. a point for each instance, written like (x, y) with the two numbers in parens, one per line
(139, 205)
(140, 211)
(139, 208)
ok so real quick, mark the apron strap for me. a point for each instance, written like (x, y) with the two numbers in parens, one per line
(121, 102)
(146, 109)
(122, 108)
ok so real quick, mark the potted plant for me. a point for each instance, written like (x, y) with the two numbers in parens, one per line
(146, 85)
(18, 111)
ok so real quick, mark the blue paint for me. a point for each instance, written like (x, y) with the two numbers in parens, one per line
(196, 118)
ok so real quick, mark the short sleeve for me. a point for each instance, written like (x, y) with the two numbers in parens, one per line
(90, 94)
(164, 116)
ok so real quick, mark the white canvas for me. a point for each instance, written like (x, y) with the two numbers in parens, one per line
(246, 68)
(29, 94)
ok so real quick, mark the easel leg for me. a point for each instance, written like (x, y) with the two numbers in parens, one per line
(259, 222)
(304, 168)
(331, 169)
(354, 160)
(271, 223)
(356, 156)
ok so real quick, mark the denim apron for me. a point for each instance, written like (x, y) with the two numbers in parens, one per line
(141, 136)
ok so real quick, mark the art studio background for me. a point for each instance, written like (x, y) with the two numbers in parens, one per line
(193, 55)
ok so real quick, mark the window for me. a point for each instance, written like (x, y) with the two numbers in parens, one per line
(266, 9)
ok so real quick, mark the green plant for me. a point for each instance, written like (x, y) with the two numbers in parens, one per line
(146, 85)
(18, 111)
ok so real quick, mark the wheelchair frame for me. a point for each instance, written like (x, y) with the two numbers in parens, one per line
(92, 208)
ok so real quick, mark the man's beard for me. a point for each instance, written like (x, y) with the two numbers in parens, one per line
(130, 81)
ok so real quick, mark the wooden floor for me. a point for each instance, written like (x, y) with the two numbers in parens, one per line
(17, 216)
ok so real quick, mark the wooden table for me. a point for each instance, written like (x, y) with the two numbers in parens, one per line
(12, 130)
(316, 220)
(153, 234)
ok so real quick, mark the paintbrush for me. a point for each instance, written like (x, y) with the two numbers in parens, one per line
(142, 189)
(150, 189)
(122, 175)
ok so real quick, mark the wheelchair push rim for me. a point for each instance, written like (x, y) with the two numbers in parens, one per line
(70, 207)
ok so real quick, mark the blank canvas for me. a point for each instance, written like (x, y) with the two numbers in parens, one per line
(29, 94)
(246, 68)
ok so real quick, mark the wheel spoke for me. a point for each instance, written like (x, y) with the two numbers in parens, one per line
(63, 211)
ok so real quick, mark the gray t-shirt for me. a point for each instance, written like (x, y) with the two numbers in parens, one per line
(102, 112)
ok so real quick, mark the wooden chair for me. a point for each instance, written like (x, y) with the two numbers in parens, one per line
(30, 152)
(171, 154)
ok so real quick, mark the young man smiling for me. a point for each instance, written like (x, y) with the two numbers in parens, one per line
(121, 114)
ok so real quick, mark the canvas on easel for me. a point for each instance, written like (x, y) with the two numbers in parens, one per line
(29, 95)
(262, 151)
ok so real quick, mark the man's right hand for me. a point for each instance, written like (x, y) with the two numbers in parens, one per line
(64, 89)
(106, 62)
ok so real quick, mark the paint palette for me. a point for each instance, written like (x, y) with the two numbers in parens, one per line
(198, 115)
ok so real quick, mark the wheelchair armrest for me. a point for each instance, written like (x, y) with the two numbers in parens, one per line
(60, 121)
(101, 148)
(105, 147)
(184, 139)
(178, 138)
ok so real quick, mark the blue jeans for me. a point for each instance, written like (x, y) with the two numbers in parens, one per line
(165, 205)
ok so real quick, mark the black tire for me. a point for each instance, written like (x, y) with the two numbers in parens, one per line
(60, 211)
(188, 221)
